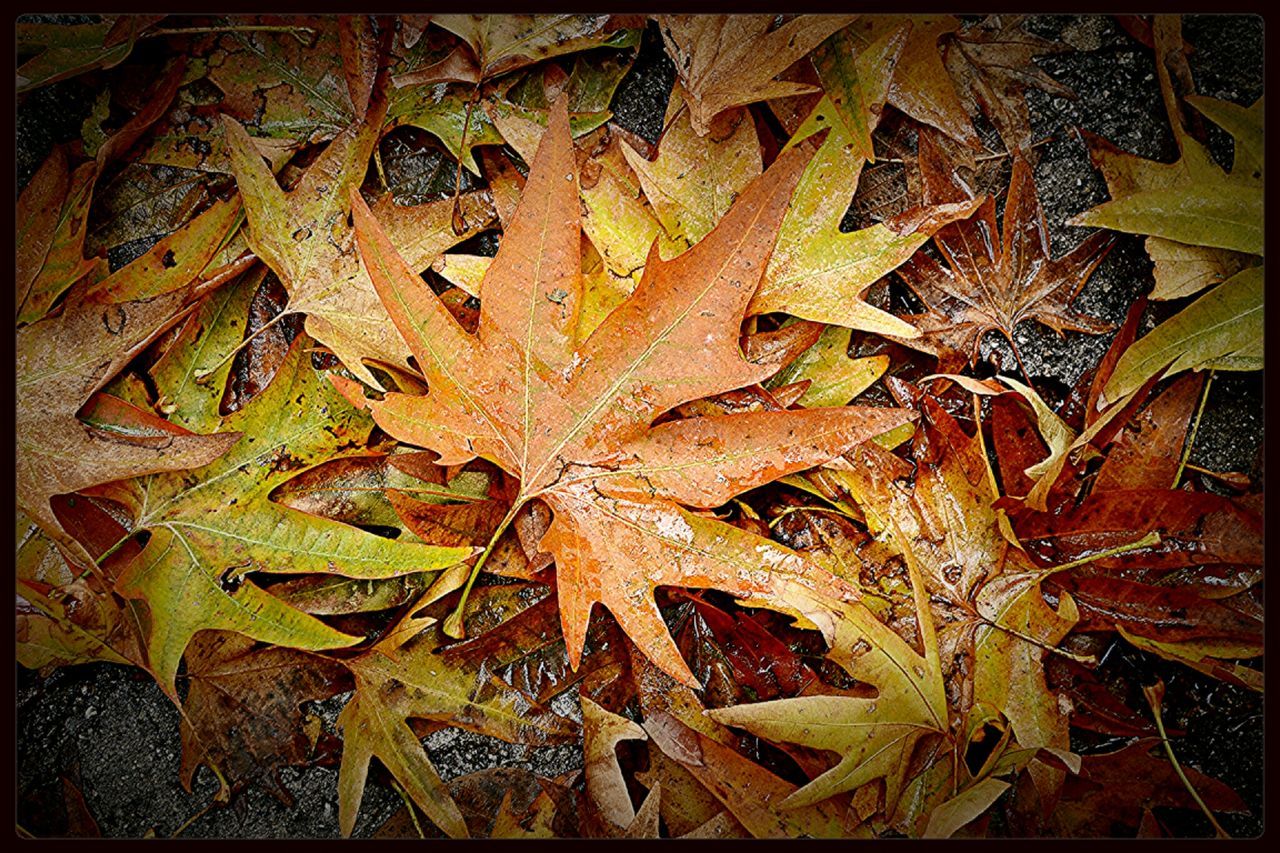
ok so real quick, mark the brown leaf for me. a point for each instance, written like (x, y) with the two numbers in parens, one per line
(988, 285)
(61, 362)
(243, 715)
(37, 217)
(573, 422)
(1114, 788)
(992, 66)
(727, 61)
(1147, 453)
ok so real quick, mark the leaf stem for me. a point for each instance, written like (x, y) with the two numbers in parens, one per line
(1152, 538)
(981, 158)
(453, 624)
(455, 219)
(203, 375)
(1195, 428)
(1153, 694)
(1018, 355)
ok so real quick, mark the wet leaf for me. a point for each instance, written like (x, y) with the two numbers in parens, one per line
(63, 51)
(394, 684)
(818, 271)
(1113, 789)
(210, 529)
(695, 179)
(521, 395)
(503, 43)
(987, 285)
(242, 714)
(304, 237)
(58, 453)
(1222, 329)
(992, 66)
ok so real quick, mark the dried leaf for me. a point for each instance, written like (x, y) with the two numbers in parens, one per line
(728, 61)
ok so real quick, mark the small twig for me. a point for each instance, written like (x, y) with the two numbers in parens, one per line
(456, 220)
(195, 817)
(1154, 693)
(1195, 427)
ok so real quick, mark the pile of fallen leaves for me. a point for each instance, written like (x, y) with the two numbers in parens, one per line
(854, 580)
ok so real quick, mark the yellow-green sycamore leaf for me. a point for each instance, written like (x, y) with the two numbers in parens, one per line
(412, 681)
(1222, 329)
(210, 527)
(819, 272)
(836, 379)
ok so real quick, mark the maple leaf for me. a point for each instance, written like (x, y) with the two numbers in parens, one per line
(62, 362)
(834, 378)
(304, 236)
(694, 179)
(573, 423)
(992, 613)
(305, 79)
(1114, 788)
(209, 528)
(602, 731)
(39, 210)
(922, 88)
(698, 763)
(875, 737)
(69, 624)
(65, 50)
(988, 285)
(992, 64)
(728, 61)
(817, 271)
(63, 262)
(397, 681)
(178, 258)
(1205, 224)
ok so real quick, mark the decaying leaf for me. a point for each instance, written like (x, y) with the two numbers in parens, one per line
(57, 452)
(988, 285)
(398, 681)
(304, 236)
(242, 714)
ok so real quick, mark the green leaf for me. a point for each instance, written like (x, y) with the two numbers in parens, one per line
(1224, 215)
(836, 379)
(1245, 126)
(1222, 329)
(214, 525)
(441, 110)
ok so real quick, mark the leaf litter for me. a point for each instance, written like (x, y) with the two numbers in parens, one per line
(853, 582)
